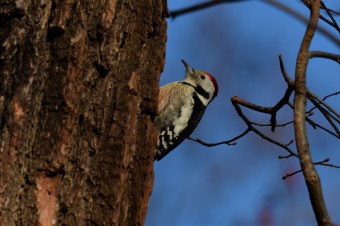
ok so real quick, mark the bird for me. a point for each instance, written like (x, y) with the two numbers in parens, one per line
(181, 106)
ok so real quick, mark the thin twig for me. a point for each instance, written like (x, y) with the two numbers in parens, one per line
(227, 142)
(278, 125)
(284, 156)
(276, 4)
(289, 81)
(330, 95)
(335, 24)
(323, 162)
(302, 18)
(325, 113)
(316, 125)
(291, 174)
(319, 101)
(325, 98)
(330, 165)
(200, 6)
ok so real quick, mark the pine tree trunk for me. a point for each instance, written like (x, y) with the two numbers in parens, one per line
(78, 95)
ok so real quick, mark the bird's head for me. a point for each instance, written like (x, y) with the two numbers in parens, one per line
(201, 80)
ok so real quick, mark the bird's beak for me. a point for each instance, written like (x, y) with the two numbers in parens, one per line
(186, 65)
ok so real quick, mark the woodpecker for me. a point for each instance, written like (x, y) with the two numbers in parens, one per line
(181, 107)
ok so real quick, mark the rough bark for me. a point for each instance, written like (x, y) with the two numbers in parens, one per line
(78, 94)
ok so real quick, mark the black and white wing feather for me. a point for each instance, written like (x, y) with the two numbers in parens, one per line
(179, 106)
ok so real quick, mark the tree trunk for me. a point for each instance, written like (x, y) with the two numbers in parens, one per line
(78, 94)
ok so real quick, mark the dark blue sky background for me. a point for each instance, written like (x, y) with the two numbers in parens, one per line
(239, 44)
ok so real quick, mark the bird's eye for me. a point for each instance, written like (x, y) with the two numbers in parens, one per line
(202, 77)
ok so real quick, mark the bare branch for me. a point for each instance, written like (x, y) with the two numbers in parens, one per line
(284, 156)
(236, 102)
(325, 113)
(330, 165)
(332, 23)
(325, 55)
(289, 81)
(278, 125)
(227, 142)
(291, 174)
(270, 110)
(326, 97)
(284, 100)
(319, 101)
(252, 106)
(276, 4)
(302, 18)
(323, 162)
(329, 114)
(311, 176)
(316, 125)
(330, 95)
(200, 6)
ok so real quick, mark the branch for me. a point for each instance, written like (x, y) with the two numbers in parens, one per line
(332, 23)
(276, 4)
(336, 116)
(316, 125)
(330, 95)
(325, 113)
(311, 177)
(329, 113)
(326, 97)
(227, 142)
(272, 110)
(277, 125)
(236, 102)
(302, 18)
(319, 102)
(320, 54)
(200, 6)
(323, 163)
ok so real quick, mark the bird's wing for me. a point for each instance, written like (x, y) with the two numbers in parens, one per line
(171, 97)
(175, 92)
(175, 105)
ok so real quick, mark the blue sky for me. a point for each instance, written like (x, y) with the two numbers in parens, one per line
(239, 44)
